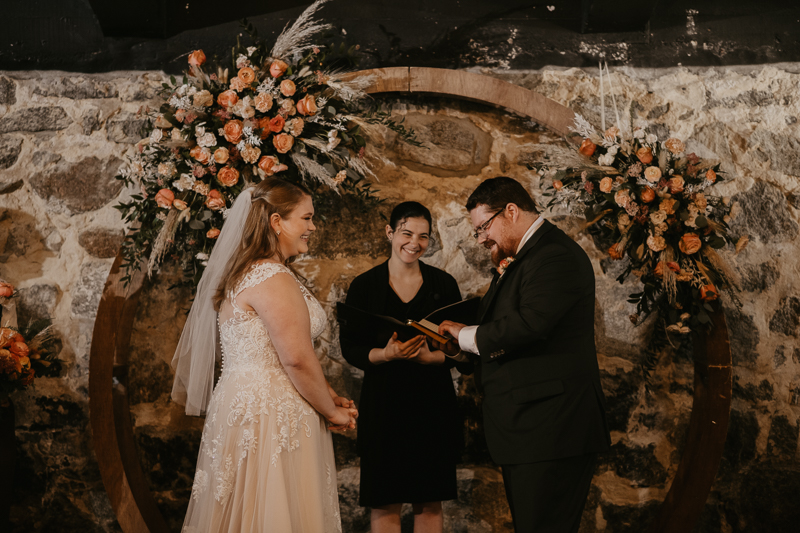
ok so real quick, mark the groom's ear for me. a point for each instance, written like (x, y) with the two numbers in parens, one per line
(512, 211)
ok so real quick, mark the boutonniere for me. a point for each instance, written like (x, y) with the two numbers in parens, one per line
(501, 268)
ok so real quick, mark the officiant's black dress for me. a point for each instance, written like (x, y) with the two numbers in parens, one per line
(409, 430)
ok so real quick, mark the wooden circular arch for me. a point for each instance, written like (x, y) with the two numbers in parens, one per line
(112, 426)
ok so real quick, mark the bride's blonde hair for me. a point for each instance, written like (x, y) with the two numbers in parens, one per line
(259, 240)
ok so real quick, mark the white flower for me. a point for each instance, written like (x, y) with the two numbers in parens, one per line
(605, 160)
(242, 61)
(638, 133)
(199, 130)
(612, 150)
(185, 183)
(657, 217)
(156, 135)
(207, 140)
(250, 50)
(176, 134)
(203, 258)
(651, 139)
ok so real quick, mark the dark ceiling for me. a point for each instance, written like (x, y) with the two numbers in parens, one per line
(103, 35)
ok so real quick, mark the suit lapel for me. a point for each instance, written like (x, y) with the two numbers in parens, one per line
(487, 300)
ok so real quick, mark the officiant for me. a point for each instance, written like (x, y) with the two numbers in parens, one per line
(410, 433)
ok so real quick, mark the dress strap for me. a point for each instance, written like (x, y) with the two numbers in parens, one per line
(258, 273)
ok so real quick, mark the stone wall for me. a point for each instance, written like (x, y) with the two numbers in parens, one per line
(63, 136)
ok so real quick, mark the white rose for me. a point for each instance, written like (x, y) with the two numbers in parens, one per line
(186, 182)
(207, 140)
(156, 135)
(658, 217)
(605, 160)
(651, 139)
(613, 150)
(639, 133)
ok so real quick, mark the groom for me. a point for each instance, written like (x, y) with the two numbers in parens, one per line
(543, 405)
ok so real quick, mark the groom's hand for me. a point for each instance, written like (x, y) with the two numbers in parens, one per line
(453, 328)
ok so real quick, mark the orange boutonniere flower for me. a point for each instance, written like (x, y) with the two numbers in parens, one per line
(501, 268)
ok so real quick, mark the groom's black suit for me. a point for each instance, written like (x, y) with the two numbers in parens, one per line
(539, 374)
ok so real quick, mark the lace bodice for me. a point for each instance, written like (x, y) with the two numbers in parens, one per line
(246, 345)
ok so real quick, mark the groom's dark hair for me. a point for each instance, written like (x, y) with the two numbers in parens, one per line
(496, 193)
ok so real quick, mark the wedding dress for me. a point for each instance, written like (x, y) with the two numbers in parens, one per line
(266, 459)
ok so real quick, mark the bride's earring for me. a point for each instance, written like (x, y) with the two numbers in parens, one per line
(279, 234)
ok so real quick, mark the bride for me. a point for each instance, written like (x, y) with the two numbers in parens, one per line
(266, 456)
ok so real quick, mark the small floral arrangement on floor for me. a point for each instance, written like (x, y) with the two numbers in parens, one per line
(268, 111)
(651, 202)
(24, 354)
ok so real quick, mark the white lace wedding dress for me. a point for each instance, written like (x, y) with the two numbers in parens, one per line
(266, 457)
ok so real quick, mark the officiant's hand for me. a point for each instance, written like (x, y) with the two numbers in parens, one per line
(426, 356)
(397, 350)
(453, 328)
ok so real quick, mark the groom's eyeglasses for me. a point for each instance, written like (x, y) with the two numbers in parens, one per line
(481, 230)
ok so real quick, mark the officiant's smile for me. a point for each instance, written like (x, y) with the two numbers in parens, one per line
(410, 240)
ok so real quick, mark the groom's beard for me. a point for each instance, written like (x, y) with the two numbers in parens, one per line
(497, 251)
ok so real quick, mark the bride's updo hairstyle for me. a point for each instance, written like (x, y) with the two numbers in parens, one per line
(259, 240)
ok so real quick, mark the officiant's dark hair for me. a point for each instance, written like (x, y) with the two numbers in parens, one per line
(496, 193)
(405, 210)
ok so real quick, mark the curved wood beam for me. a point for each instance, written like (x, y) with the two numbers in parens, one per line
(112, 426)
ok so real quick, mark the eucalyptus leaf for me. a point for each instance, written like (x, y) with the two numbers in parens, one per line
(196, 224)
(206, 214)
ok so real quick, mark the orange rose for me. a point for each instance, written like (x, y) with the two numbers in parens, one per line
(266, 164)
(558, 185)
(307, 105)
(708, 293)
(283, 143)
(675, 146)
(287, 88)
(221, 155)
(247, 75)
(647, 195)
(711, 175)
(587, 148)
(227, 98)
(228, 176)
(652, 174)
(667, 205)
(645, 155)
(263, 102)
(277, 68)
(616, 252)
(606, 184)
(233, 131)
(213, 233)
(6, 336)
(20, 349)
(197, 58)
(676, 184)
(164, 198)
(201, 154)
(6, 289)
(276, 124)
(214, 200)
(690, 243)
(700, 200)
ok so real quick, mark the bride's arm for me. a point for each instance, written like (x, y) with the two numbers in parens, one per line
(281, 306)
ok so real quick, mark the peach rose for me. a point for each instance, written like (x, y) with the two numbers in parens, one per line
(295, 126)
(213, 233)
(708, 293)
(307, 105)
(179, 204)
(270, 165)
(227, 99)
(247, 75)
(675, 146)
(237, 84)
(201, 154)
(587, 148)
(558, 185)
(647, 195)
(197, 58)
(263, 102)
(645, 155)
(214, 200)
(164, 198)
(203, 98)
(276, 124)
(277, 68)
(7, 336)
(622, 198)
(233, 131)
(656, 243)
(659, 270)
(288, 88)
(700, 200)
(221, 155)
(690, 243)
(250, 153)
(287, 108)
(711, 175)
(612, 132)
(652, 174)
(616, 252)
(228, 176)
(283, 142)
(606, 184)
(6, 289)
(676, 184)
(19, 348)
(667, 205)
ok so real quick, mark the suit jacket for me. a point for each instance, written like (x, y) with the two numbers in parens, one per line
(539, 372)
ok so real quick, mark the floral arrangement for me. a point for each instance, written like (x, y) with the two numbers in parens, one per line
(24, 354)
(285, 112)
(649, 201)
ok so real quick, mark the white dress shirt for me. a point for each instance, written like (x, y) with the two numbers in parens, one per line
(466, 338)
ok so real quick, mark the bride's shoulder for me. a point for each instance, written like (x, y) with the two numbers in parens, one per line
(261, 271)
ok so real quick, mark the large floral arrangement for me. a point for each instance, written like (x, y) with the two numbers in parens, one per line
(24, 353)
(278, 111)
(651, 202)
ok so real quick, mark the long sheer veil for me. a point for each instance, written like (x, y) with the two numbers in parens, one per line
(198, 346)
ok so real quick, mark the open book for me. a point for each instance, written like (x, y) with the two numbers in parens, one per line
(378, 329)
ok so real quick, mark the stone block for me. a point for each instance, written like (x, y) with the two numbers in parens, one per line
(782, 439)
(750, 392)
(36, 303)
(744, 337)
(780, 149)
(10, 148)
(33, 119)
(637, 464)
(8, 91)
(786, 318)
(127, 129)
(90, 121)
(76, 88)
(84, 186)
(345, 229)
(740, 444)
(42, 158)
(86, 294)
(629, 518)
(101, 242)
(763, 503)
(760, 277)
